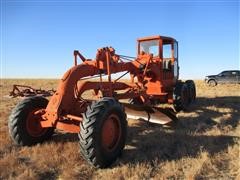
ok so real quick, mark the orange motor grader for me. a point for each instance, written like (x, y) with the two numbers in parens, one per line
(100, 120)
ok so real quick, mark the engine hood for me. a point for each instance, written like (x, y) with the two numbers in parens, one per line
(210, 76)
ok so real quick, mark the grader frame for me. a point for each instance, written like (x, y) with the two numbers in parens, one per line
(66, 99)
(153, 80)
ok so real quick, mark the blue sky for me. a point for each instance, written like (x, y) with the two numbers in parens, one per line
(38, 37)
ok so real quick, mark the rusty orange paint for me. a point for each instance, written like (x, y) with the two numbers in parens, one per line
(111, 132)
(33, 123)
(148, 80)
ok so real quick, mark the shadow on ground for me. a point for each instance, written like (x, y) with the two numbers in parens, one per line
(64, 137)
(148, 142)
(188, 139)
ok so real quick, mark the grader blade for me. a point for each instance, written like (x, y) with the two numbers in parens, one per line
(156, 115)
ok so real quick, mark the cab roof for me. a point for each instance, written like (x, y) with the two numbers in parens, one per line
(155, 37)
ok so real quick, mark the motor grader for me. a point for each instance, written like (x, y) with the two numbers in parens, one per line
(100, 119)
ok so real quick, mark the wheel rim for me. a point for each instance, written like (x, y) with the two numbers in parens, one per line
(212, 83)
(111, 132)
(33, 125)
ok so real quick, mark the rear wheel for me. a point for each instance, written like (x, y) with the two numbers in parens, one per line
(192, 90)
(24, 124)
(181, 96)
(136, 101)
(103, 132)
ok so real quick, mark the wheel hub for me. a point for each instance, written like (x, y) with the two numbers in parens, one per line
(111, 132)
(33, 125)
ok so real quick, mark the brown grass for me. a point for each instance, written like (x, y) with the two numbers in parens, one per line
(204, 145)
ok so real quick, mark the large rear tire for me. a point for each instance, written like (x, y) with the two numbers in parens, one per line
(24, 124)
(192, 90)
(103, 132)
(136, 101)
(181, 96)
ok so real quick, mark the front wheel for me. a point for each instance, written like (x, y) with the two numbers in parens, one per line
(24, 124)
(212, 83)
(103, 132)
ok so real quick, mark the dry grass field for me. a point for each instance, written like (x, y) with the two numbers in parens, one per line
(203, 145)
